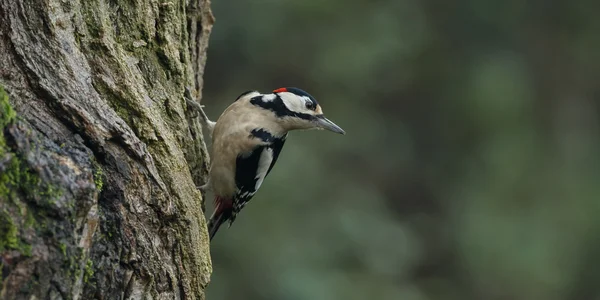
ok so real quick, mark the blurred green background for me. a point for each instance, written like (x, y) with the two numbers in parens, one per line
(471, 164)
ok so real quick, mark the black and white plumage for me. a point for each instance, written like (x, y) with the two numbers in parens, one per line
(252, 168)
(247, 141)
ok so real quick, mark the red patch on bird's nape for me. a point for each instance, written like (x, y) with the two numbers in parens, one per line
(280, 90)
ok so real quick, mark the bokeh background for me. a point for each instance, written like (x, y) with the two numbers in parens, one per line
(471, 164)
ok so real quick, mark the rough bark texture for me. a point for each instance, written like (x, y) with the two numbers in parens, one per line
(98, 166)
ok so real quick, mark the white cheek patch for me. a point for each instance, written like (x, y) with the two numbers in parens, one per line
(294, 102)
(266, 157)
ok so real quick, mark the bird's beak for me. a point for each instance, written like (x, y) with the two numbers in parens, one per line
(324, 123)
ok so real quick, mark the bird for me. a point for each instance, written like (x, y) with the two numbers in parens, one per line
(247, 140)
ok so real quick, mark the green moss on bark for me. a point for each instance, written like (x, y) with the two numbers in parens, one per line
(9, 236)
(7, 113)
(18, 184)
(89, 271)
(7, 116)
(8, 232)
(13, 175)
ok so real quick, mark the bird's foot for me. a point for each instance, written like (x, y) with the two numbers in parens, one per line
(203, 188)
(206, 123)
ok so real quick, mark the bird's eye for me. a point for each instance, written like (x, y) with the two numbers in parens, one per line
(310, 105)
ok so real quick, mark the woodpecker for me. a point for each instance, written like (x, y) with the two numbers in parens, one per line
(247, 140)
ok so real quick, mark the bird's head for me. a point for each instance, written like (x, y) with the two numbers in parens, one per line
(297, 109)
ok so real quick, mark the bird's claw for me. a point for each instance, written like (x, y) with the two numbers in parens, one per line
(203, 188)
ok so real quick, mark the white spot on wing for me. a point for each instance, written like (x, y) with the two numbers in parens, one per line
(268, 97)
(266, 157)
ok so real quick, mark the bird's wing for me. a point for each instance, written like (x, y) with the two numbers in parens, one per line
(252, 169)
(277, 145)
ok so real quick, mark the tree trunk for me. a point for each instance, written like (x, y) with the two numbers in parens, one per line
(99, 167)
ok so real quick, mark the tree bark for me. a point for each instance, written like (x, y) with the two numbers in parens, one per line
(100, 163)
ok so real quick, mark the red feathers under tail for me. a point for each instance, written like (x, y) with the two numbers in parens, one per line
(222, 213)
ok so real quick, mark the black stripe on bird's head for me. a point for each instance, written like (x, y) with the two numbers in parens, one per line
(295, 109)
(245, 94)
